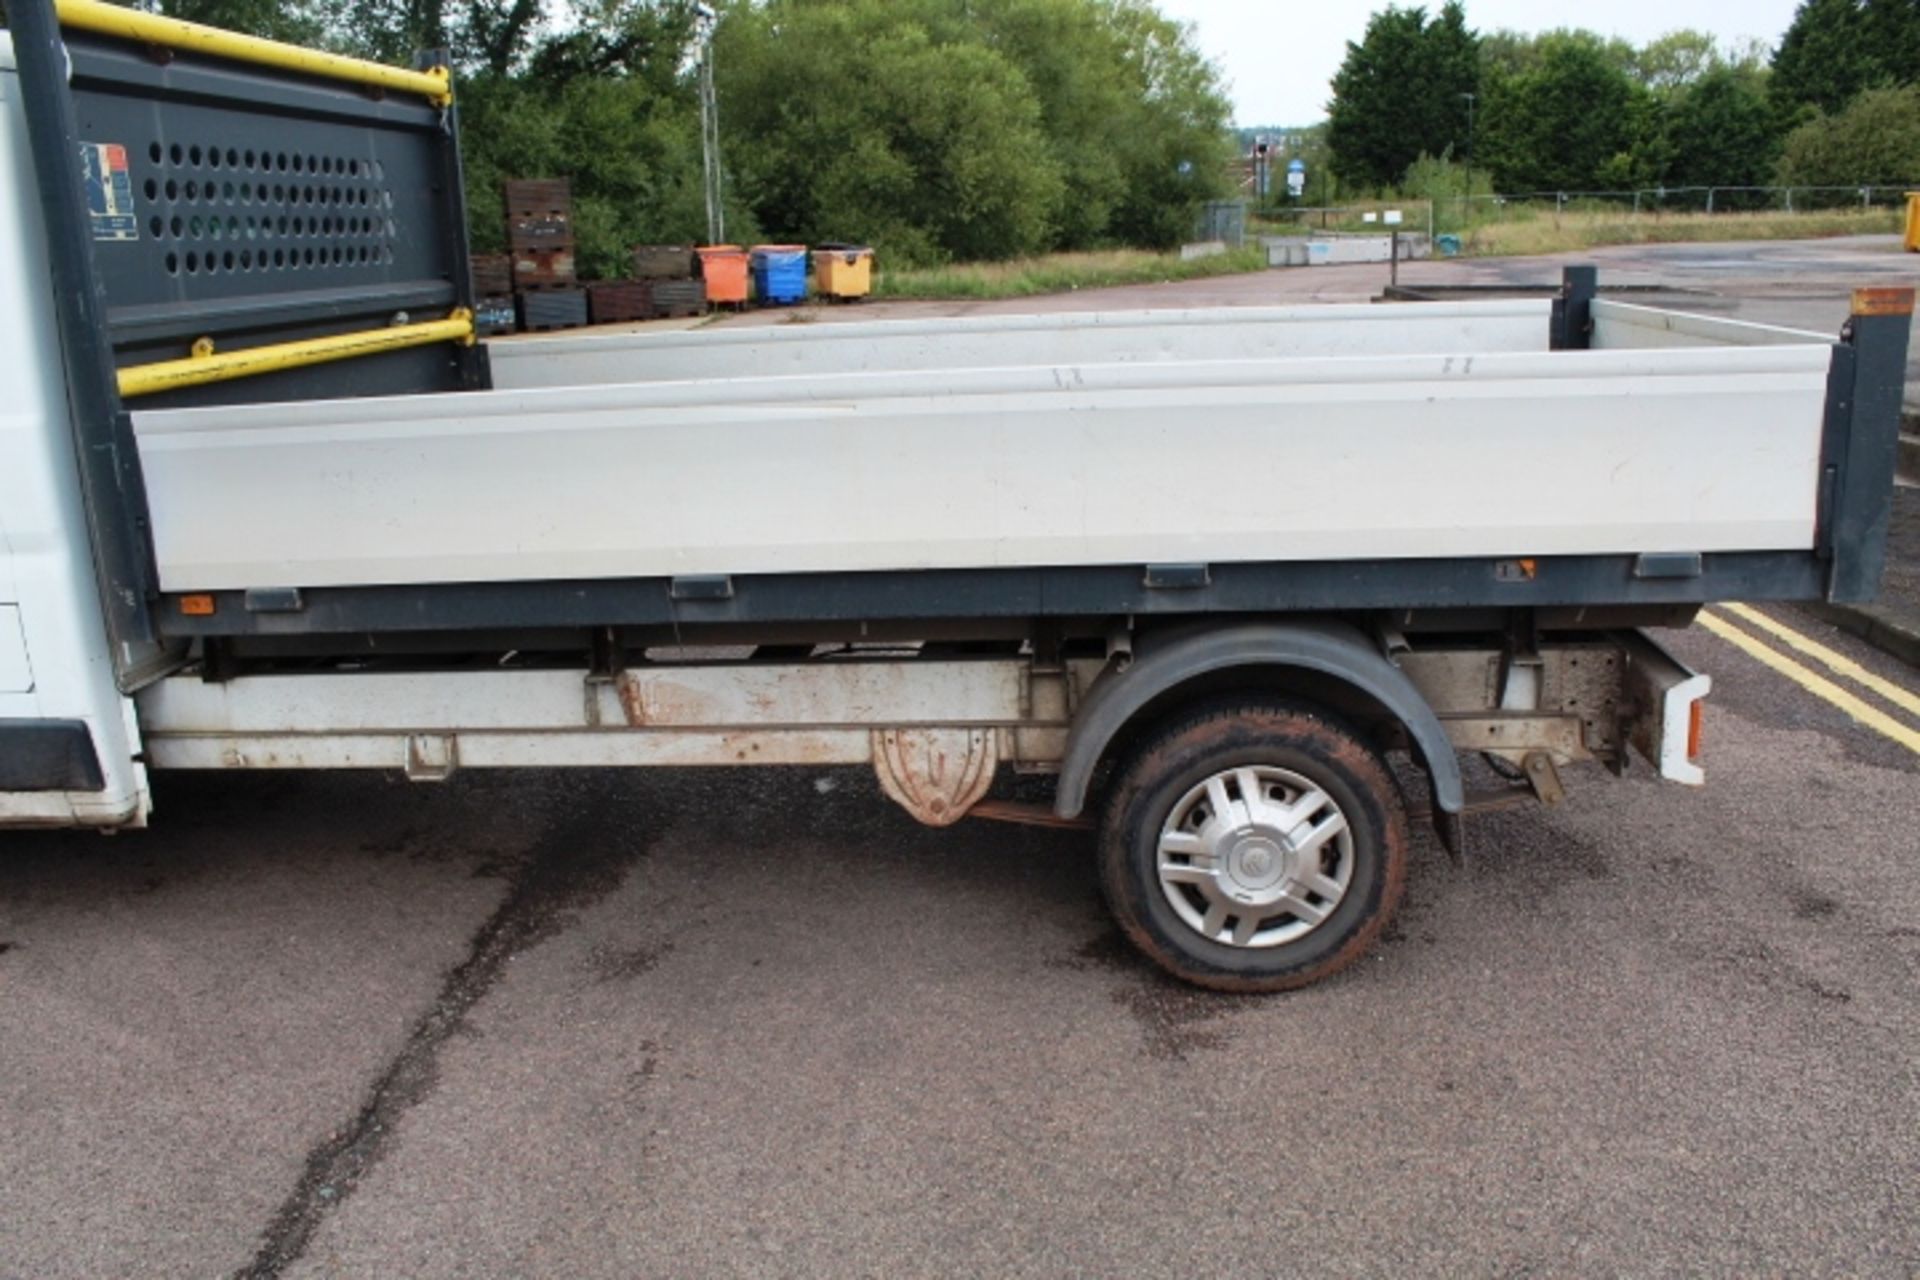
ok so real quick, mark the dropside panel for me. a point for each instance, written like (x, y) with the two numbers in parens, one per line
(992, 342)
(1387, 458)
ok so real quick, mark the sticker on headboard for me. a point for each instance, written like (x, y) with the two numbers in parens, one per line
(109, 191)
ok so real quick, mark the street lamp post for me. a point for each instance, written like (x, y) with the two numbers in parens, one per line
(1466, 201)
(705, 20)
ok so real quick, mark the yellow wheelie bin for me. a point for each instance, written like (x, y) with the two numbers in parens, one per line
(842, 272)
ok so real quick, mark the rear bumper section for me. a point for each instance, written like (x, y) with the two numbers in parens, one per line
(1665, 699)
(48, 755)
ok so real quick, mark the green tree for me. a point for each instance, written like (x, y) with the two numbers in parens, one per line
(1401, 93)
(1823, 60)
(1558, 124)
(1069, 54)
(632, 155)
(1132, 113)
(846, 122)
(1675, 60)
(1645, 156)
(1721, 131)
(1516, 52)
(1174, 139)
(1893, 29)
(600, 97)
(969, 128)
(1876, 141)
(297, 21)
(1834, 49)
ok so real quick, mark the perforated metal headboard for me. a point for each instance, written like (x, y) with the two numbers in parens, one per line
(219, 206)
(236, 203)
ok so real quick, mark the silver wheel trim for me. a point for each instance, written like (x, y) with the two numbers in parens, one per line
(1255, 856)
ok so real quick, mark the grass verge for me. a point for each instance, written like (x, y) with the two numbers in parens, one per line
(1545, 233)
(1060, 273)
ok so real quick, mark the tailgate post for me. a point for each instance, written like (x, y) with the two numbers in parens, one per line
(1573, 309)
(1863, 439)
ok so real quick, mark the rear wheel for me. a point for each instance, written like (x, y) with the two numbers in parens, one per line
(1254, 846)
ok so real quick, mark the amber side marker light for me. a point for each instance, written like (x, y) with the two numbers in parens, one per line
(197, 606)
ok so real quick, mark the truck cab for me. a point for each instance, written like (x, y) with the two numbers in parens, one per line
(69, 739)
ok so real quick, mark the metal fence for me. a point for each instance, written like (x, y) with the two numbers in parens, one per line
(1707, 199)
(1462, 211)
(1222, 220)
(1415, 215)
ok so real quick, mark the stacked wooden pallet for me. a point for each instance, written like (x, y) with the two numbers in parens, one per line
(668, 272)
(617, 301)
(540, 245)
(536, 278)
(493, 309)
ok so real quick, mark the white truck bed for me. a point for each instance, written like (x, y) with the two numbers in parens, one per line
(1301, 433)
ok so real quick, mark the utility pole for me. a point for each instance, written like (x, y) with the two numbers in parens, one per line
(1466, 211)
(705, 19)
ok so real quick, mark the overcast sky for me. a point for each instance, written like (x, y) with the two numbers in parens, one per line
(1279, 56)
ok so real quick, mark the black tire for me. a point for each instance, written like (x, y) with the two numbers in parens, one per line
(1302, 741)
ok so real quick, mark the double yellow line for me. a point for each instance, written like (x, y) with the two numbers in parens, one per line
(1714, 618)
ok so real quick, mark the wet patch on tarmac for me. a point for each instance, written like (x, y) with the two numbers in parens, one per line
(1808, 905)
(401, 841)
(1759, 965)
(640, 1076)
(213, 800)
(1176, 1020)
(1681, 872)
(1823, 990)
(1520, 850)
(494, 865)
(433, 845)
(571, 867)
(623, 964)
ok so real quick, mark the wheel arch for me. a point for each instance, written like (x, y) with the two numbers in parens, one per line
(1194, 658)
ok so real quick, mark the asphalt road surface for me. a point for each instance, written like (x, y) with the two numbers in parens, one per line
(700, 1023)
(760, 1023)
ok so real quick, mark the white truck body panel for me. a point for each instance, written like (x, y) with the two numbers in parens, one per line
(1627, 326)
(54, 661)
(1309, 458)
(1001, 342)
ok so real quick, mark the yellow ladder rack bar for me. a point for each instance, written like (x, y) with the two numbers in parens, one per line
(170, 375)
(192, 37)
